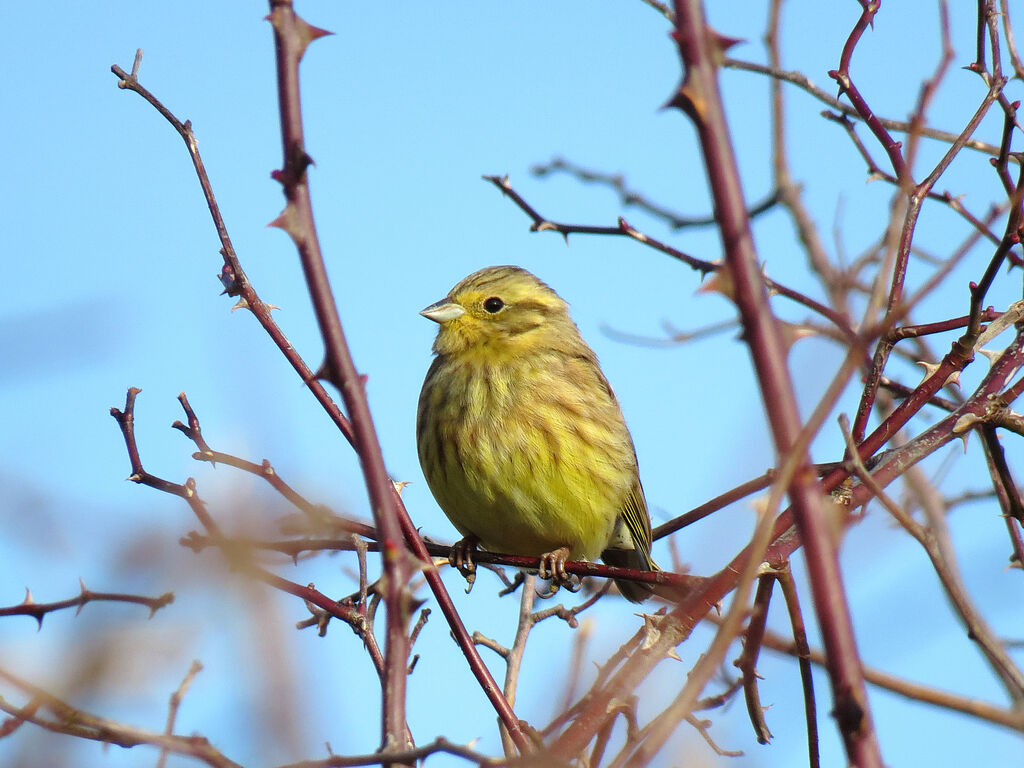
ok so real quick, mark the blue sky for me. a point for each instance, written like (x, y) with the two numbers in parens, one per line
(110, 273)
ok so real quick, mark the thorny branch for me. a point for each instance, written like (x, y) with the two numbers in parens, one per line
(235, 282)
(698, 96)
(292, 35)
(959, 355)
(235, 555)
(591, 719)
(38, 611)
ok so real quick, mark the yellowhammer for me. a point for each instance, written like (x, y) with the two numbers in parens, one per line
(520, 436)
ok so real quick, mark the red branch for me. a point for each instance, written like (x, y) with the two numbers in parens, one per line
(291, 37)
(699, 97)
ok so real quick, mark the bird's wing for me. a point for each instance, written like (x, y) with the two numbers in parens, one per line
(638, 523)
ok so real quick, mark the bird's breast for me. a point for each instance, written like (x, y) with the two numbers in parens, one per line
(530, 459)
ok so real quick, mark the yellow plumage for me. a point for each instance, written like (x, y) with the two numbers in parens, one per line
(519, 434)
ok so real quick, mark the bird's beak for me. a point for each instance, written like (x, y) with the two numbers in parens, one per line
(443, 311)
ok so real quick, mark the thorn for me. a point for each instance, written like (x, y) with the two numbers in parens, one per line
(929, 369)
(991, 354)
(688, 100)
(302, 161)
(288, 221)
(673, 655)
(722, 43)
(229, 280)
(652, 630)
(415, 603)
(964, 424)
(83, 595)
(307, 34)
(792, 333)
(240, 304)
(29, 600)
(954, 379)
(500, 181)
(400, 485)
(720, 281)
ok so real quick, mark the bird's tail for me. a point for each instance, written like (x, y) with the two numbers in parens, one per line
(637, 560)
(630, 545)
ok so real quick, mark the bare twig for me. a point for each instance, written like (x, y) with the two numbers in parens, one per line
(967, 705)
(747, 661)
(935, 540)
(71, 721)
(803, 82)
(174, 704)
(802, 652)
(407, 756)
(629, 197)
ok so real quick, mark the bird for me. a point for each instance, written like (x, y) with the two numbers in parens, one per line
(520, 437)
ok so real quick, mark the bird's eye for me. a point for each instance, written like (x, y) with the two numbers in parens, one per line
(494, 304)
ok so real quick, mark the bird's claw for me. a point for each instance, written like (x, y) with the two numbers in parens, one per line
(552, 567)
(461, 557)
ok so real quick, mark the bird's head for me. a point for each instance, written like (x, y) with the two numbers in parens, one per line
(500, 310)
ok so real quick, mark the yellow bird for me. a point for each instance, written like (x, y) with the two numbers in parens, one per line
(520, 436)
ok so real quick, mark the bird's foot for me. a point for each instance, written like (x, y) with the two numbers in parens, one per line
(461, 557)
(552, 567)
